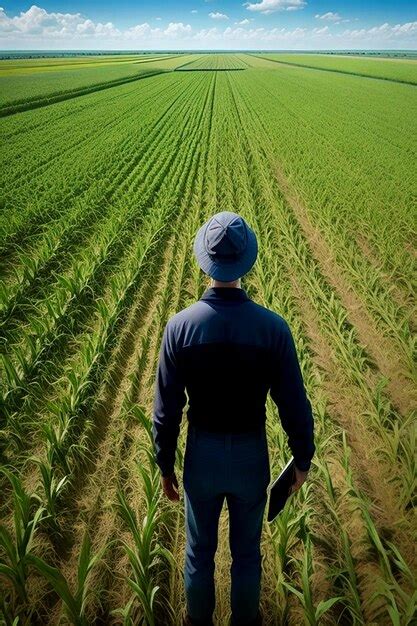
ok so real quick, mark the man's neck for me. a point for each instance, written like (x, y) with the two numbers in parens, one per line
(219, 283)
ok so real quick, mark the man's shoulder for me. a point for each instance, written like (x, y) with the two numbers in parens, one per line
(268, 314)
(190, 312)
(198, 311)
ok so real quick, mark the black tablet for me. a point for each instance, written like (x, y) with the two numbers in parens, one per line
(279, 490)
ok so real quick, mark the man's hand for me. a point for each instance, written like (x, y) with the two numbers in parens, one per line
(168, 484)
(300, 478)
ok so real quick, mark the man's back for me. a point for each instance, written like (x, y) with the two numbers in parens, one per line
(227, 351)
(226, 346)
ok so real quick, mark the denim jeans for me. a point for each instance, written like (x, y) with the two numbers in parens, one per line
(218, 466)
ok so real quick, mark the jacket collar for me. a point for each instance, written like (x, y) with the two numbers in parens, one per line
(217, 294)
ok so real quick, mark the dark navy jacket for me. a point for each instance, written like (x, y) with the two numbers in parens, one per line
(226, 351)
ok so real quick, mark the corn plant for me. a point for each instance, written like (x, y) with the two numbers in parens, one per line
(347, 575)
(147, 555)
(403, 615)
(16, 550)
(53, 488)
(312, 613)
(74, 602)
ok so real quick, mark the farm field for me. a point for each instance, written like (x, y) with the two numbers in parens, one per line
(25, 85)
(219, 62)
(31, 65)
(401, 70)
(103, 193)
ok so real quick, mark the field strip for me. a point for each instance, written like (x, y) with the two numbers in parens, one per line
(400, 346)
(327, 135)
(82, 195)
(109, 187)
(48, 141)
(165, 58)
(335, 71)
(65, 65)
(137, 359)
(28, 223)
(153, 191)
(383, 352)
(41, 120)
(184, 64)
(399, 266)
(16, 64)
(120, 182)
(68, 95)
(401, 298)
(260, 184)
(390, 507)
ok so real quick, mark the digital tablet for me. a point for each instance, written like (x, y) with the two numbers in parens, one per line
(279, 490)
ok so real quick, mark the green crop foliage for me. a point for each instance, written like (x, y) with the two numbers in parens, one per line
(401, 70)
(74, 602)
(105, 183)
(16, 547)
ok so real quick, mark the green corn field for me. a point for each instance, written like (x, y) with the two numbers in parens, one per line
(109, 166)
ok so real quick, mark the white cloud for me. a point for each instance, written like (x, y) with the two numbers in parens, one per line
(218, 16)
(40, 29)
(320, 31)
(384, 32)
(409, 27)
(177, 29)
(194, 11)
(329, 16)
(158, 18)
(174, 30)
(270, 6)
(37, 23)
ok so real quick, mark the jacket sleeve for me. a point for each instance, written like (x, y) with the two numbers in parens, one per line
(289, 394)
(169, 401)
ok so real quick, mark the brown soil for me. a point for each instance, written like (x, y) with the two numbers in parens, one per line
(347, 408)
(380, 348)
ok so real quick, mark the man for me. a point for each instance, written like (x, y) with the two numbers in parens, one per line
(227, 352)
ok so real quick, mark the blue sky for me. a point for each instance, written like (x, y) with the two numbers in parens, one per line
(208, 24)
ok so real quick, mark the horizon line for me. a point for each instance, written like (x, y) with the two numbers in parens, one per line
(208, 50)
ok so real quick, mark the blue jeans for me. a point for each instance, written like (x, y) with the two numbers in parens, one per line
(236, 467)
